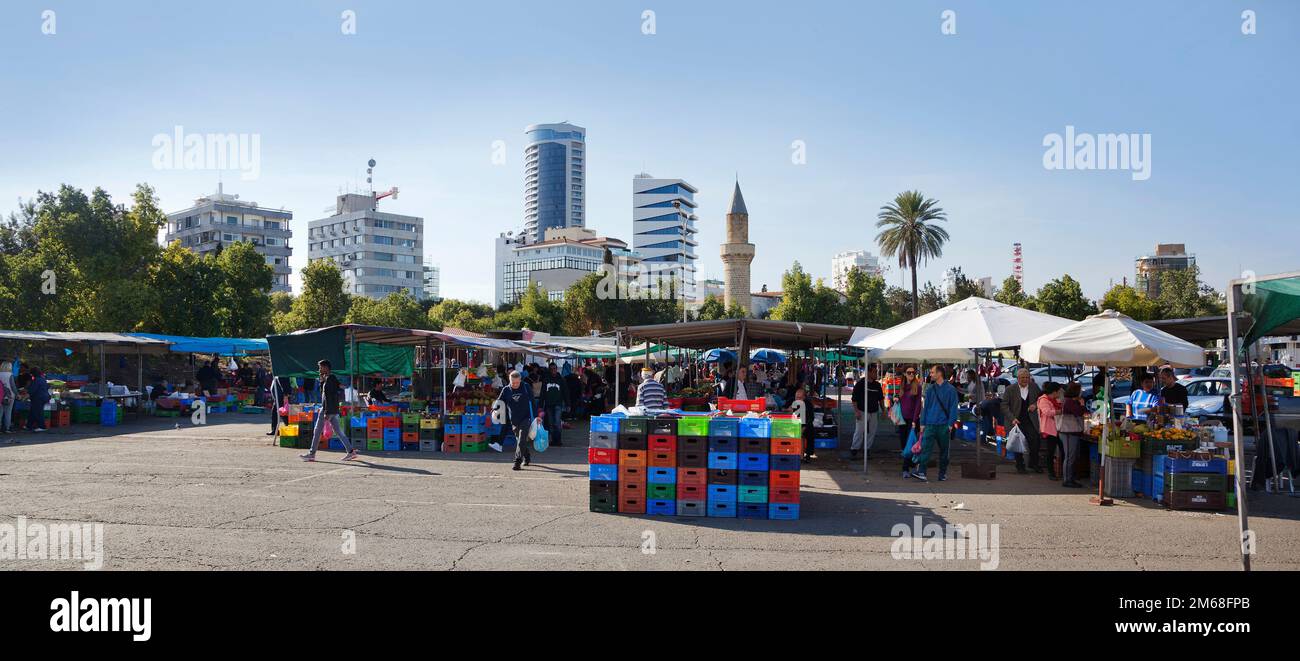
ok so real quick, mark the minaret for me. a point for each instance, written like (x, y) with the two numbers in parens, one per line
(737, 253)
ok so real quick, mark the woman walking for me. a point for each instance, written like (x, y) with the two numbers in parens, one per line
(909, 405)
(1070, 429)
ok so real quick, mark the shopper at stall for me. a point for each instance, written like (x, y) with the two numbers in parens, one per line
(1070, 429)
(10, 396)
(650, 395)
(867, 397)
(1020, 407)
(1143, 399)
(909, 410)
(280, 389)
(553, 395)
(800, 394)
(520, 414)
(1172, 393)
(38, 393)
(938, 415)
(1049, 406)
(330, 391)
(308, 389)
(207, 376)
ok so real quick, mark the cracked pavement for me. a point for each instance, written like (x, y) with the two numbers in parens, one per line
(221, 497)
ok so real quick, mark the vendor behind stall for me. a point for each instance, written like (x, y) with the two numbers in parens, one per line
(1172, 393)
(1143, 400)
(377, 396)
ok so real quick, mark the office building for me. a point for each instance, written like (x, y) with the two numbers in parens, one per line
(222, 219)
(431, 282)
(562, 258)
(663, 230)
(555, 176)
(379, 253)
(1167, 257)
(843, 262)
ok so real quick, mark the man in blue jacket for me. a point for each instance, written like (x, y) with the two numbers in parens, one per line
(938, 415)
(521, 410)
(38, 393)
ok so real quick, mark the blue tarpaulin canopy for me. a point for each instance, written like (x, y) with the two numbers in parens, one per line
(224, 346)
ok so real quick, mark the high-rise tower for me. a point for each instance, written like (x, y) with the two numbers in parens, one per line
(737, 253)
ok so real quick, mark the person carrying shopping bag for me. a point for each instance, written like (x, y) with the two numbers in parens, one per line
(938, 415)
(521, 411)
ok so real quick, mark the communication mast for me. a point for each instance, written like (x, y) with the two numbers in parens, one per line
(1017, 263)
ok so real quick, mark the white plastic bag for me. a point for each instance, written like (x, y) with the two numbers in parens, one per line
(1016, 441)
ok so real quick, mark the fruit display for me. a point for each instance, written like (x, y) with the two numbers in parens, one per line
(1171, 434)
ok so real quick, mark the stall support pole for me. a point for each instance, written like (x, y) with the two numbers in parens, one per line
(1100, 498)
(444, 379)
(1243, 527)
(103, 373)
(1275, 479)
(618, 346)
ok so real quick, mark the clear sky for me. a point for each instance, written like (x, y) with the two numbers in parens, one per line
(883, 101)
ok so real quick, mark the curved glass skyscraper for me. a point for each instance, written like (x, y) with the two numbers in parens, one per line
(555, 178)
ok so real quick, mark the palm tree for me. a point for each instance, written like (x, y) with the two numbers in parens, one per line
(909, 233)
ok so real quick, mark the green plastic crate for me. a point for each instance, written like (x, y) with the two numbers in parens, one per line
(375, 444)
(1197, 481)
(288, 441)
(473, 447)
(661, 491)
(785, 428)
(693, 426)
(410, 419)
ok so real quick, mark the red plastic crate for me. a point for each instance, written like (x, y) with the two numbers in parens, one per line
(692, 491)
(410, 437)
(663, 444)
(789, 479)
(391, 422)
(632, 475)
(662, 459)
(632, 458)
(631, 505)
(450, 446)
(786, 446)
(783, 495)
(452, 438)
(697, 476)
(473, 438)
(742, 405)
(602, 456)
(631, 490)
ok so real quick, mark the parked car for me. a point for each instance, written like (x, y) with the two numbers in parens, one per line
(1277, 379)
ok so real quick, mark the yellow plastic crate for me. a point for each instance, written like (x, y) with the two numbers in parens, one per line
(288, 430)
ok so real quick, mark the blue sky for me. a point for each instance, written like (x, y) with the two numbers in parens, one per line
(883, 101)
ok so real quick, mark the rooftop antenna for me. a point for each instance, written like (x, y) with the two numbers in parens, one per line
(370, 172)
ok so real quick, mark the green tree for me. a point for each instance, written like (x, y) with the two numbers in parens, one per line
(323, 302)
(866, 304)
(1129, 301)
(910, 233)
(900, 305)
(1011, 293)
(1183, 295)
(796, 295)
(244, 300)
(396, 310)
(466, 315)
(964, 287)
(713, 307)
(1063, 297)
(281, 302)
(185, 285)
(931, 298)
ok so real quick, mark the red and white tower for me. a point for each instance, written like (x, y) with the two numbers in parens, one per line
(1017, 264)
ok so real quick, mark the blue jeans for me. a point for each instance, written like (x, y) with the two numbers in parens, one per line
(36, 416)
(554, 425)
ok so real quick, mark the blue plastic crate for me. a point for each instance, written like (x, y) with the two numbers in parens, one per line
(605, 423)
(754, 478)
(1216, 465)
(784, 462)
(752, 462)
(393, 434)
(661, 475)
(603, 472)
(723, 444)
(657, 507)
(755, 428)
(1142, 482)
(751, 510)
(722, 492)
(472, 428)
(721, 509)
(724, 427)
(453, 428)
(724, 460)
(391, 445)
(826, 443)
(336, 444)
(411, 447)
(785, 511)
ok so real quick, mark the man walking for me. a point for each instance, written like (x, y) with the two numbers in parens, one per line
(330, 389)
(38, 393)
(1019, 406)
(553, 396)
(279, 393)
(938, 415)
(520, 414)
(867, 397)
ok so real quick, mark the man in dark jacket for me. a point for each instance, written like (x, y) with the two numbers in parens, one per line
(330, 391)
(554, 393)
(38, 391)
(867, 397)
(521, 410)
(207, 376)
(1020, 408)
(279, 391)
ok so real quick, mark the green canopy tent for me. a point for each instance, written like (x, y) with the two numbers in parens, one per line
(1271, 303)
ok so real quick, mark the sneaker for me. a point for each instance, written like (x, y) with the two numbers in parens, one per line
(920, 477)
(495, 446)
(528, 461)
(516, 466)
(307, 456)
(907, 475)
(39, 429)
(943, 477)
(351, 455)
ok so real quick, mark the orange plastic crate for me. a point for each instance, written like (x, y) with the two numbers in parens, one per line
(411, 437)
(632, 475)
(450, 446)
(785, 479)
(786, 446)
(632, 458)
(696, 476)
(662, 459)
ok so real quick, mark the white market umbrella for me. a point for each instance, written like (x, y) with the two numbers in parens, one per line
(953, 333)
(1112, 339)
